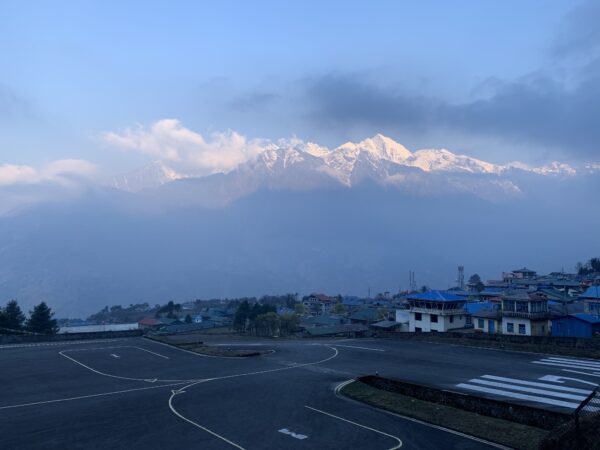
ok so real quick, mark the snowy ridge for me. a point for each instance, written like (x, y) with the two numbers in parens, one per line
(379, 158)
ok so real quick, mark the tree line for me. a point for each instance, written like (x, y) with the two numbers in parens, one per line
(263, 320)
(592, 266)
(13, 321)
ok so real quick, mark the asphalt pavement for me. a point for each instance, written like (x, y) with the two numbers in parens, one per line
(136, 393)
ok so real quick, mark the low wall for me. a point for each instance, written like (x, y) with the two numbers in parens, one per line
(566, 342)
(33, 338)
(494, 408)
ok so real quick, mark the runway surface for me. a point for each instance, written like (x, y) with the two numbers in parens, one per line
(136, 393)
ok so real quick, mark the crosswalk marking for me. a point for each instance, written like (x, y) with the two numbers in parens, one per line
(569, 363)
(529, 389)
(533, 398)
(532, 391)
(578, 361)
(538, 384)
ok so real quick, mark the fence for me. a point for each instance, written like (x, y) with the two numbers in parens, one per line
(589, 408)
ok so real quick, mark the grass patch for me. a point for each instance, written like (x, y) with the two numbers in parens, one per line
(496, 430)
(193, 344)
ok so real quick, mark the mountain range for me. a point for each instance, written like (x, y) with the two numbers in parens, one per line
(298, 217)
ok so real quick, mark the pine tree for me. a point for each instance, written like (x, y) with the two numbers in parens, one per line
(13, 316)
(41, 320)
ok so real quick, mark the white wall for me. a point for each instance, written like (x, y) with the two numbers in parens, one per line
(516, 321)
(443, 323)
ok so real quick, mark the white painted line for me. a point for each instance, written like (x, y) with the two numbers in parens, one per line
(196, 382)
(188, 351)
(114, 356)
(81, 397)
(531, 390)
(153, 353)
(580, 361)
(573, 363)
(536, 384)
(558, 379)
(360, 348)
(412, 419)
(116, 376)
(174, 393)
(359, 425)
(557, 364)
(531, 398)
(593, 374)
(292, 434)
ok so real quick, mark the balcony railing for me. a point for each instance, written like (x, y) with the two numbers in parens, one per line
(440, 312)
(526, 315)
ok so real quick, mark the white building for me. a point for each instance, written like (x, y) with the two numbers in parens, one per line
(526, 315)
(436, 311)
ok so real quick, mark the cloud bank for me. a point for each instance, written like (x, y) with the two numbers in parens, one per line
(23, 185)
(187, 151)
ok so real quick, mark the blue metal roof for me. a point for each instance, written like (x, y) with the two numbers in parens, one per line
(592, 292)
(476, 307)
(436, 296)
(587, 318)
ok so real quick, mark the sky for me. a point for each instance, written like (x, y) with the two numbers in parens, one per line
(496, 80)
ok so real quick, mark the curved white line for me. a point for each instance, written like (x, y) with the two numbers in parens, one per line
(198, 425)
(361, 426)
(182, 390)
(147, 380)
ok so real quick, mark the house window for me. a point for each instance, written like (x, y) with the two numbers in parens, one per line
(434, 318)
(418, 330)
(480, 323)
(451, 319)
(522, 329)
(510, 327)
(418, 317)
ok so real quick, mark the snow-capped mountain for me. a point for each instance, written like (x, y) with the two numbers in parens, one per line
(292, 164)
(149, 176)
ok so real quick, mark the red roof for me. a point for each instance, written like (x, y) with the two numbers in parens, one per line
(150, 322)
(323, 297)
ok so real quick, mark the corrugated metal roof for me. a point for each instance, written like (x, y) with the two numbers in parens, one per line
(435, 296)
(592, 292)
(587, 318)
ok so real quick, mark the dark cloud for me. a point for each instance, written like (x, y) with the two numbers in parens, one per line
(255, 101)
(349, 100)
(579, 34)
(534, 110)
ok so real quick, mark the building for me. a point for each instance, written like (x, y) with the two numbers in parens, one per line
(591, 300)
(576, 325)
(485, 317)
(318, 304)
(436, 311)
(150, 323)
(525, 314)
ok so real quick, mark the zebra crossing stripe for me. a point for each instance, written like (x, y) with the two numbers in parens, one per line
(516, 395)
(531, 390)
(578, 362)
(538, 384)
(567, 365)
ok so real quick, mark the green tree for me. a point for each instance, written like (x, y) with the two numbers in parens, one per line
(475, 282)
(13, 316)
(299, 309)
(267, 324)
(338, 308)
(288, 323)
(240, 321)
(41, 320)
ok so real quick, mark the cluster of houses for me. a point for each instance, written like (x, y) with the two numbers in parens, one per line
(208, 318)
(521, 303)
